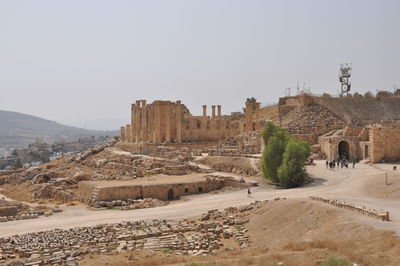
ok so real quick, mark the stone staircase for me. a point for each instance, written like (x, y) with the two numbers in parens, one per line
(311, 119)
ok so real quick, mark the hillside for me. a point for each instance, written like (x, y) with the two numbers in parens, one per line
(18, 130)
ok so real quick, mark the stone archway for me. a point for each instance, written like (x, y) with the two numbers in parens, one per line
(170, 194)
(344, 149)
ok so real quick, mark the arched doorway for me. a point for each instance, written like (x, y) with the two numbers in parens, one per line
(170, 194)
(344, 149)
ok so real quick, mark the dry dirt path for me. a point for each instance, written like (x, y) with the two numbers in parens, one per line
(343, 184)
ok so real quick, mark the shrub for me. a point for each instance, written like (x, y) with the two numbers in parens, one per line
(333, 261)
(291, 173)
(268, 131)
(283, 157)
(167, 250)
(273, 158)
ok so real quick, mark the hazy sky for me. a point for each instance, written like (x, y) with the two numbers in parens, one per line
(82, 62)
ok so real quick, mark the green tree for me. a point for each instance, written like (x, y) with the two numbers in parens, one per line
(272, 158)
(251, 100)
(292, 173)
(268, 131)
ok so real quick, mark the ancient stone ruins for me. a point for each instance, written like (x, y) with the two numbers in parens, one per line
(166, 157)
(362, 127)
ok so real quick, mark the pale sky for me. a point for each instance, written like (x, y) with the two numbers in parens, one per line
(82, 63)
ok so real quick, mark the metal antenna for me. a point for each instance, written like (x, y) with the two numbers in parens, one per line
(344, 78)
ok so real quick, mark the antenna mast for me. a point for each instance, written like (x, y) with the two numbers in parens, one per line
(344, 78)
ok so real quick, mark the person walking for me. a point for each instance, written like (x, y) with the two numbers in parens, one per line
(249, 193)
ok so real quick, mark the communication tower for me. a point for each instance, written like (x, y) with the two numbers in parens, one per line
(344, 78)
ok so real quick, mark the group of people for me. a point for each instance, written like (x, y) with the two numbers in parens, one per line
(340, 161)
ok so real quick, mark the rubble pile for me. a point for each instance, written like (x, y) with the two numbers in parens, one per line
(183, 237)
(182, 154)
(231, 182)
(58, 180)
(239, 145)
(130, 204)
(12, 210)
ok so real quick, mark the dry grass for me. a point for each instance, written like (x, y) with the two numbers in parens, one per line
(305, 235)
(22, 192)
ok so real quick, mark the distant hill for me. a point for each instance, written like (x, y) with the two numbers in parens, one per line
(17, 130)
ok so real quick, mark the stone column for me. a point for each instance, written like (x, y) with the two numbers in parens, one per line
(168, 110)
(219, 110)
(179, 118)
(123, 139)
(249, 116)
(204, 110)
(138, 122)
(128, 133)
(150, 122)
(133, 121)
(257, 106)
(213, 110)
(144, 121)
(157, 123)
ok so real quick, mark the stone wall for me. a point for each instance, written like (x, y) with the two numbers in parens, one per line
(8, 211)
(89, 192)
(385, 141)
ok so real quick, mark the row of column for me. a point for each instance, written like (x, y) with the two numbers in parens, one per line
(212, 110)
(155, 123)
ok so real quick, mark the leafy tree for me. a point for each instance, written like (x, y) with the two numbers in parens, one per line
(251, 100)
(291, 173)
(272, 158)
(268, 131)
(357, 95)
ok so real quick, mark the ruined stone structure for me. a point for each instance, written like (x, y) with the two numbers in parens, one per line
(377, 142)
(171, 122)
(92, 191)
(344, 125)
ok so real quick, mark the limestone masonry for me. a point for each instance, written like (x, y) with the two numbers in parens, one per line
(354, 127)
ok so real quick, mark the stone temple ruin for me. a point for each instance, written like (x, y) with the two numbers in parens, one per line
(363, 127)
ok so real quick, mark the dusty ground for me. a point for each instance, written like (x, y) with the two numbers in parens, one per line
(292, 231)
(377, 186)
(232, 164)
(22, 192)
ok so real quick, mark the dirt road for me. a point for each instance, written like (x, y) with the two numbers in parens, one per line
(344, 184)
